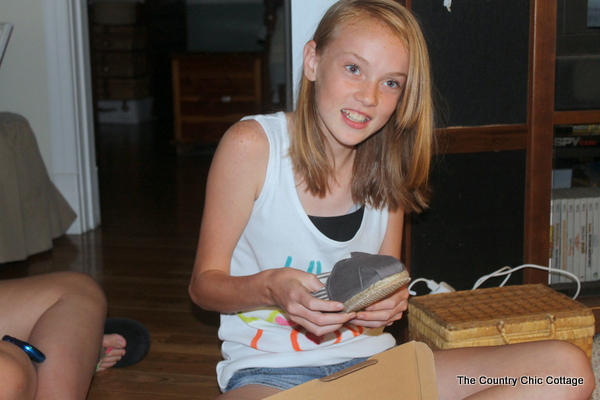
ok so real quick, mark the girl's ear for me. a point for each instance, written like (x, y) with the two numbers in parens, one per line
(310, 60)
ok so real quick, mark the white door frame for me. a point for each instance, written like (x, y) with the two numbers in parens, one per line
(73, 170)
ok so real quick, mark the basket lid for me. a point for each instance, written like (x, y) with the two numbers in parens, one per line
(484, 307)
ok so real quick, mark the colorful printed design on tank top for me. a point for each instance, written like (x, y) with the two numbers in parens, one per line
(271, 318)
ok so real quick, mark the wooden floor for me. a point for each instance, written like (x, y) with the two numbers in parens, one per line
(142, 254)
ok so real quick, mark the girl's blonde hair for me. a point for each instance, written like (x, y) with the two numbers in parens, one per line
(391, 167)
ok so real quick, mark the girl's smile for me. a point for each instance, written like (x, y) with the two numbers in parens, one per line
(355, 118)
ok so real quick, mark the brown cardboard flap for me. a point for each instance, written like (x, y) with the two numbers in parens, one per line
(349, 370)
(406, 372)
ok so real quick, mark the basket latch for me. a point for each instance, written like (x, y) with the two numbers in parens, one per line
(528, 336)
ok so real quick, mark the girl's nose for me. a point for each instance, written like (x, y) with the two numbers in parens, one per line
(367, 94)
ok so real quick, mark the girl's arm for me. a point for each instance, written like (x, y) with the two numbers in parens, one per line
(234, 182)
(392, 242)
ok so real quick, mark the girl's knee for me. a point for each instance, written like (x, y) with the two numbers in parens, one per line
(568, 353)
(572, 363)
(81, 285)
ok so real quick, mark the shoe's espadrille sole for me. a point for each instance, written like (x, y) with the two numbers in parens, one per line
(376, 292)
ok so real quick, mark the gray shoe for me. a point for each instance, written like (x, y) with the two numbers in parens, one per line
(362, 279)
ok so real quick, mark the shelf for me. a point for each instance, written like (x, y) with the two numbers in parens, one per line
(588, 289)
(577, 117)
(576, 152)
(475, 139)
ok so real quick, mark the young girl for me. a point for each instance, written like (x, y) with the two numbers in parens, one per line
(304, 189)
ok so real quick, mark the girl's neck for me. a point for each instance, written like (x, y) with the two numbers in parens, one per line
(340, 156)
(342, 161)
(338, 200)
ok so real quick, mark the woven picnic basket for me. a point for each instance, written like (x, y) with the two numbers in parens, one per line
(497, 316)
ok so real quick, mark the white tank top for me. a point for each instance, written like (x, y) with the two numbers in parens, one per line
(280, 234)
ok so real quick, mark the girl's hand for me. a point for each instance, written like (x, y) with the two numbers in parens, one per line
(384, 312)
(291, 290)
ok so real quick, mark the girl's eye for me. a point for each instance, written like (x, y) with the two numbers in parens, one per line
(353, 69)
(392, 84)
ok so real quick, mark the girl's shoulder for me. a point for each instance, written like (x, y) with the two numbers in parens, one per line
(249, 140)
(246, 137)
(242, 157)
(253, 128)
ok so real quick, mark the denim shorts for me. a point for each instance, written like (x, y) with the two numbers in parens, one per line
(285, 378)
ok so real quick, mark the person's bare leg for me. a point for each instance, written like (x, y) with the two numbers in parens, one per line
(18, 376)
(63, 315)
(457, 368)
(249, 392)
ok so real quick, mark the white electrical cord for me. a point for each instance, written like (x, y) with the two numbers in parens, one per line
(448, 4)
(508, 271)
(433, 286)
(444, 287)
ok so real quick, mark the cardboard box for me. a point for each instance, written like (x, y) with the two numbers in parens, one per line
(405, 372)
(125, 111)
(498, 316)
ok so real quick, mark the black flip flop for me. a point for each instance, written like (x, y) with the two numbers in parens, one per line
(136, 335)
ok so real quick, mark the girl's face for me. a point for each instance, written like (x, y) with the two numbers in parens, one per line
(359, 78)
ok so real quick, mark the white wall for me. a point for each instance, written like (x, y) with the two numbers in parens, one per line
(306, 15)
(23, 78)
